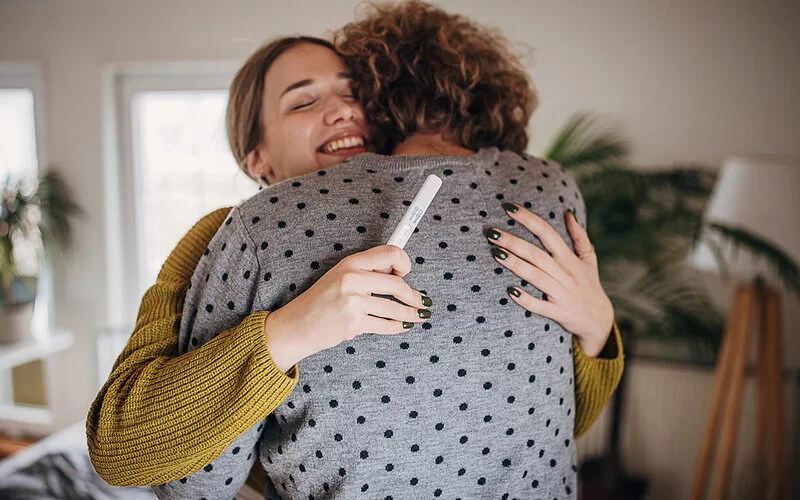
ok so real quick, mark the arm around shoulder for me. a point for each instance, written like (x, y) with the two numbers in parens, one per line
(596, 379)
(133, 422)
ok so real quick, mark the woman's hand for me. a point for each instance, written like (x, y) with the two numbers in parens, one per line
(340, 306)
(570, 280)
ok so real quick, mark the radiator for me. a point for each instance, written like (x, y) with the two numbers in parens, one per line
(663, 422)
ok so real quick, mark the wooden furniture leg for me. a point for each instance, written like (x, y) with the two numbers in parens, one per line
(763, 401)
(775, 410)
(742, 319)
(721, 383)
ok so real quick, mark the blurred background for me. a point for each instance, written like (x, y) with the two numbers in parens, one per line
(126, 100)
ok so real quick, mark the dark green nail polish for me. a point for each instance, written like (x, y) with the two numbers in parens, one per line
(499, 253)
(513, 291)
(424, 313)
(408, 324)
(426, 301)
(493, 234)
(508, 207)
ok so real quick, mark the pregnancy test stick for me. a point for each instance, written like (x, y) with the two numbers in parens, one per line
(415, 212)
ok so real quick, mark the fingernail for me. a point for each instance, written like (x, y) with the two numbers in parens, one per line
(574, 215)
(508, 207)
(426, 301)
(493, 234)
(424, 313)
(408, 324)
(513, 291)
(499, 253)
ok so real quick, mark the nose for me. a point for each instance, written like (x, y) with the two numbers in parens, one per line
(337, 109)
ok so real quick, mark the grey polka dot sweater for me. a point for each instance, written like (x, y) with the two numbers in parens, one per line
(477, 402)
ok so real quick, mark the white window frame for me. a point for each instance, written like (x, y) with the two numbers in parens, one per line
(28, 75)
(125, 255)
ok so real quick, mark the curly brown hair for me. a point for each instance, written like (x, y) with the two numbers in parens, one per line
(420, 69)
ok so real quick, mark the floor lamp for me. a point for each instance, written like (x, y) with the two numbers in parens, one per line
(754, 193)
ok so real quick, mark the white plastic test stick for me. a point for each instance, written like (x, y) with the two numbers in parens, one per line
(415, 212)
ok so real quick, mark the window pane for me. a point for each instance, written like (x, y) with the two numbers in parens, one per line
(17, 133)
(18, 162)
(185, 166)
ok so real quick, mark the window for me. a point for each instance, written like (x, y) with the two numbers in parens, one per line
(187, 170)
(175, 162)
(18, 156)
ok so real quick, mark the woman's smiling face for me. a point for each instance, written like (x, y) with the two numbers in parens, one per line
(311, 119)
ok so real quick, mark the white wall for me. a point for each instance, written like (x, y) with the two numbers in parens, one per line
(688, 80)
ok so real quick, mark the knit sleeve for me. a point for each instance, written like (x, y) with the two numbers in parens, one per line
(221, 293)
(132, 423)
(596, 379)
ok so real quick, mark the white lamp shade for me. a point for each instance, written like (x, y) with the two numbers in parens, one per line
(759, 194)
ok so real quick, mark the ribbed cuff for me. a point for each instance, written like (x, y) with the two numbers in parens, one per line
(240, 386)
(596, 379)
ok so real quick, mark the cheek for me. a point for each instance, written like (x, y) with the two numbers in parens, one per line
(299, 136)
(299, 131)
(288, 135)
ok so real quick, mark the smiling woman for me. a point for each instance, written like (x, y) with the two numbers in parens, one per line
(301, 115)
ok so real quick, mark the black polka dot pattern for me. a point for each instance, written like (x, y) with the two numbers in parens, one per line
(476, 401)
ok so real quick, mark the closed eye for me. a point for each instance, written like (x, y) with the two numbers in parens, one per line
(304, 105)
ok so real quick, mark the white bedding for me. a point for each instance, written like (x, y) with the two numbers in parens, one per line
(72, 437)
(58, 467)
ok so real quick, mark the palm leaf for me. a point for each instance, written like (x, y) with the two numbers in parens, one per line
(58, 207)
(642, 221)
(644, 216)
(648, 221)
(581, 141)
(677, 304)
(781, 264)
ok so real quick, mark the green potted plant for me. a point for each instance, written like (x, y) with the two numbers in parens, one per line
(644, 224)
(35, 219)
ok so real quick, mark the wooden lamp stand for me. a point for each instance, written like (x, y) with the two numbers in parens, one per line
(749, 300)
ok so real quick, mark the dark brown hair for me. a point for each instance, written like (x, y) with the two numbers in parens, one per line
(418, 68)
(243, 121)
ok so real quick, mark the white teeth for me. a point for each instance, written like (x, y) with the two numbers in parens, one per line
(346, 142)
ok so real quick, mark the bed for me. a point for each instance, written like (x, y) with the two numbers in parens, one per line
(58, 467)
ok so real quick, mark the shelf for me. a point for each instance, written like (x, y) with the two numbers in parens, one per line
(37, 347)
(24, 413)
(19, 353)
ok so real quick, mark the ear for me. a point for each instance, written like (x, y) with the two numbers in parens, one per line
(259, 165)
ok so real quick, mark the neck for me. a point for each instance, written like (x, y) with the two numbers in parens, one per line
(429, 144)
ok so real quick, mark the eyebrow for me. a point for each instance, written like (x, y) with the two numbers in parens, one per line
(308, 81)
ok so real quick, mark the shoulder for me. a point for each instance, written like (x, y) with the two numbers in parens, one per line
(525, 162)
(212, 221)
(546, 169)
